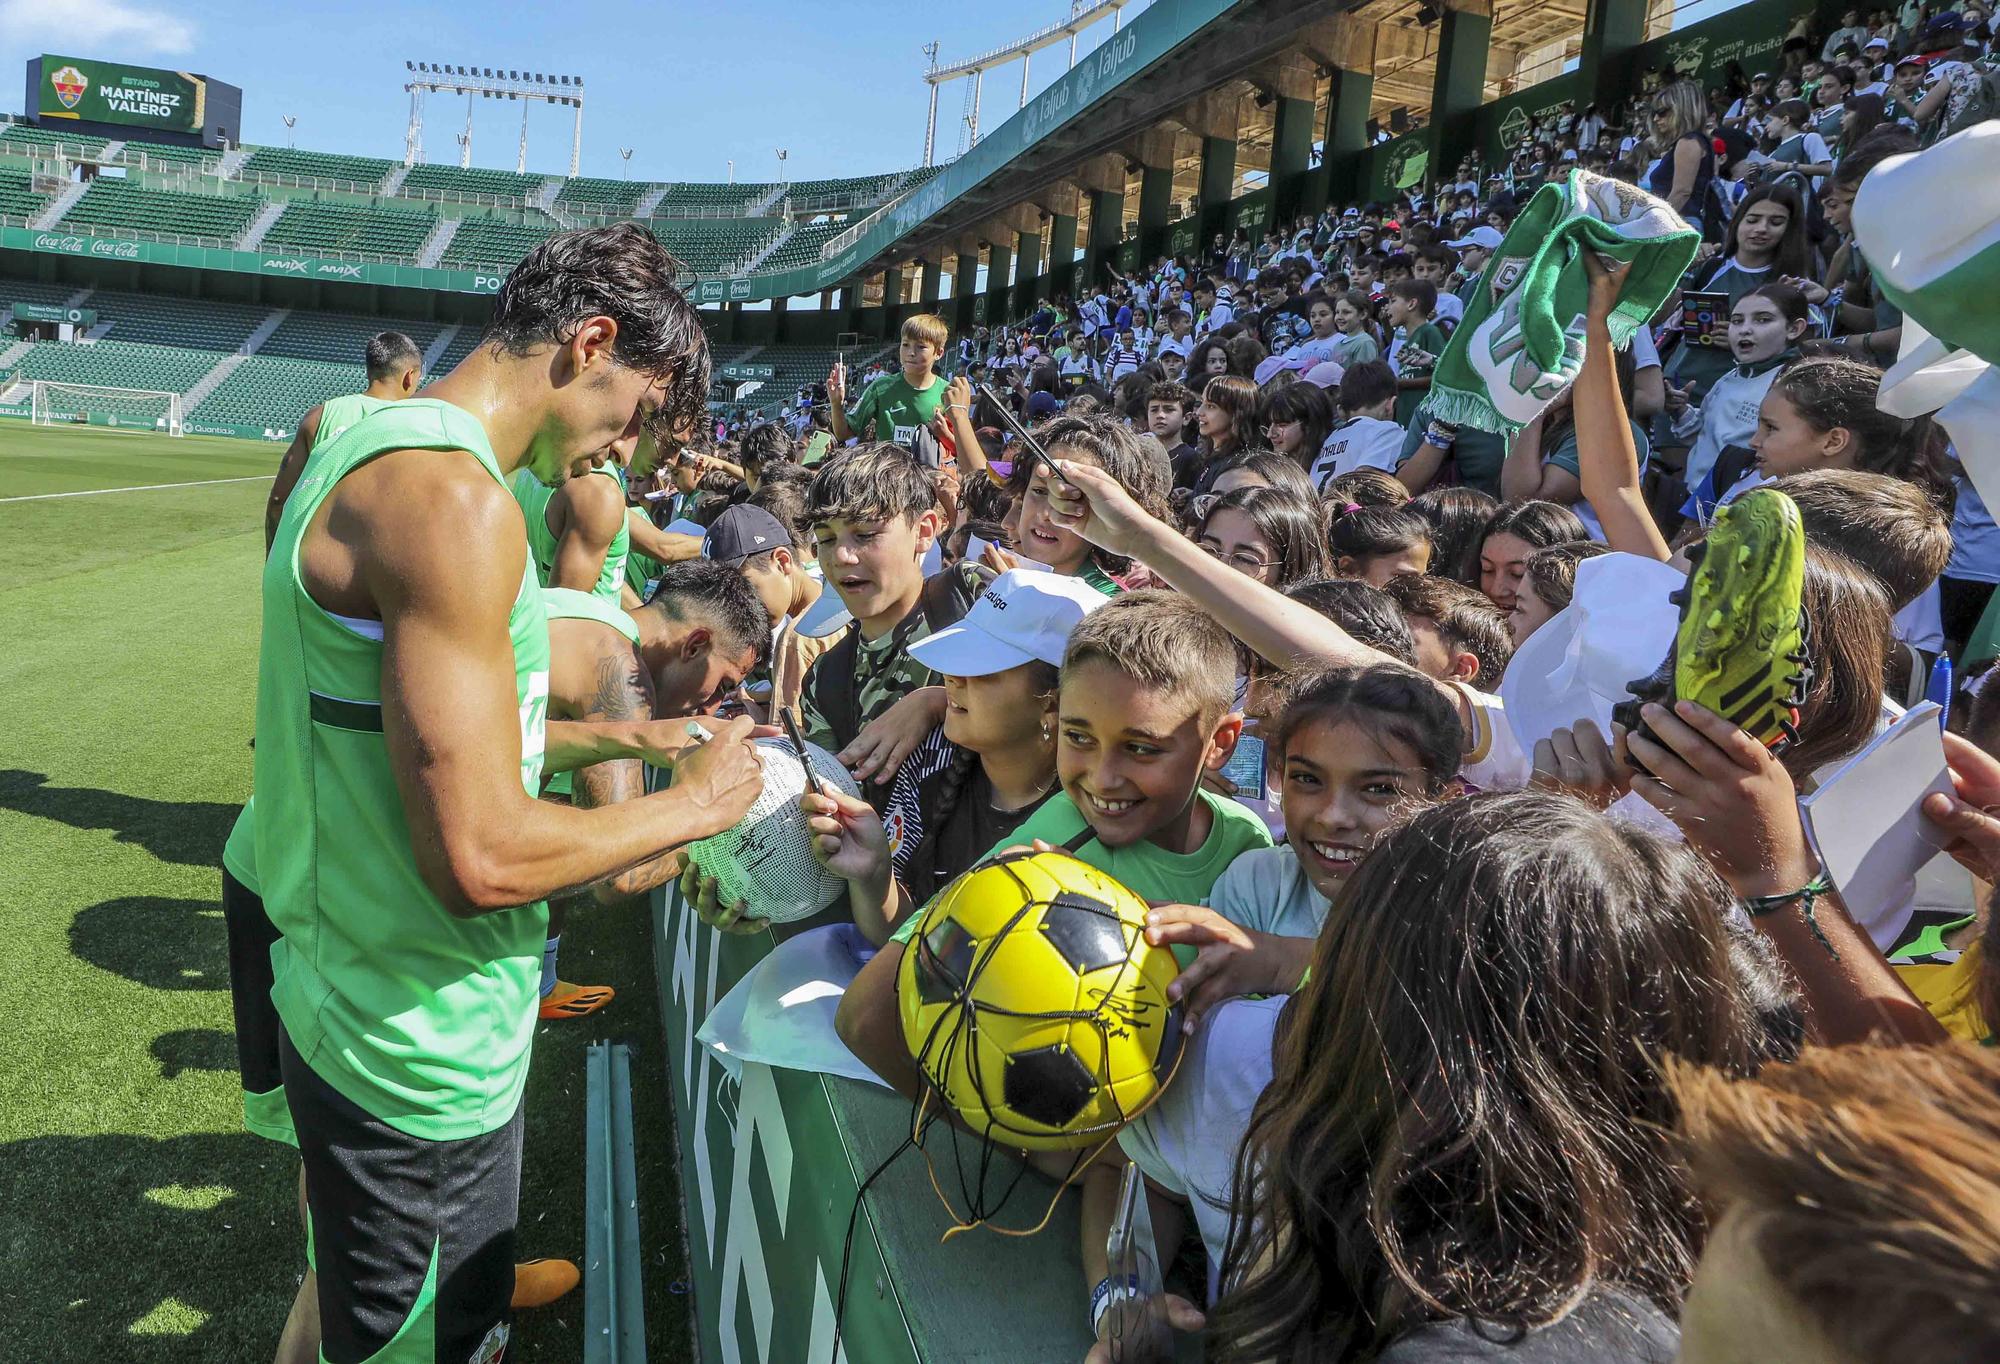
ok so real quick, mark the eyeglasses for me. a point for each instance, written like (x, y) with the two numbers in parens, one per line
(1242, 560)
(1662, 110)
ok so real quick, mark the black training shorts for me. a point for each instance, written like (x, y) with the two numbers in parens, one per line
(413, 1239)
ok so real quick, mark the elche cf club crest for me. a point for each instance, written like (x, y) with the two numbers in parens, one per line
(70, 84)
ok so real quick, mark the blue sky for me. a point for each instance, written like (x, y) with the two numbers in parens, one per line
(687, 85)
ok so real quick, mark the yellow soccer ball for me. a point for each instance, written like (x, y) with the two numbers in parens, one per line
(1034, 1004)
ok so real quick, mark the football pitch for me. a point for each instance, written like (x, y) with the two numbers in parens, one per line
(142, 1222)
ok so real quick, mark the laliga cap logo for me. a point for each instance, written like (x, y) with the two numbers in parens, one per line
(70, 85)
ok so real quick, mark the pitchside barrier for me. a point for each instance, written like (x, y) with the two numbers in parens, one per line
(768, 1173)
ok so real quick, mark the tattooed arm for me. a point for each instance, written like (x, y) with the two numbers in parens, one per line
(622, 690)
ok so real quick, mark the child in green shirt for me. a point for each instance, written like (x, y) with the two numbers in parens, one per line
(1145, 708)
(897, 406)
(1418, 341)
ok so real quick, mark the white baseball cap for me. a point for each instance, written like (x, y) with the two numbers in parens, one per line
(1485, 237)
(1023, 615)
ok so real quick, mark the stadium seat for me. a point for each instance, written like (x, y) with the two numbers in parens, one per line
(18, 198)
(294, 164)
(337, 338)
(162, 319)
(112, 202)
(157, 152)
(804, 245)
(274, 392)
(707, 245)
(606, 198)
(325, 227)
(492, 244)
(116, 364)
(26, 139)
(468, 182)
(697, 197)
(33, 291)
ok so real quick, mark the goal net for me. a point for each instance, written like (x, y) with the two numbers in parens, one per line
(136, 409)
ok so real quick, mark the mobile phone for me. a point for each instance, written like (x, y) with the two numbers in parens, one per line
(1705, 317)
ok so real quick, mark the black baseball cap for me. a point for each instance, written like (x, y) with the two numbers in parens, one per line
(743, 531)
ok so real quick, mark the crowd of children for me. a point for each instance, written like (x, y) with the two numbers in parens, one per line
(1490, 1027)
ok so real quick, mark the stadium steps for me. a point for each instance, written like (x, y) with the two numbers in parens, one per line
(435, 245)
(769, 203)
(113, 151)
(231, 164)
(393, 182)
(436, 350)
(266, 219)
(58, 206)
(261, 333)
(11, 357)
(210, 381)
(545, 200)
(765, 252)
(649, 201)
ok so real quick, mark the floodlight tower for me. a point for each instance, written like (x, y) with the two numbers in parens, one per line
(475, 82)
(1082, 15)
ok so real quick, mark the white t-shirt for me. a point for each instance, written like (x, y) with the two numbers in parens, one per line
(1182, 346)
(1450, 308)
(1359, 443)
(1726, 415)
(1187, 1142)
(1266, 891)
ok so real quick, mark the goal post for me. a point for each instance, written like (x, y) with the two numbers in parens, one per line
(51, 403)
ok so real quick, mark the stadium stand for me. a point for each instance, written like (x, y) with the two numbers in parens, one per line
(117, 364)
(711, 244)
(336, 338)
(275, 392)
(18, 198)
(156, 152)
(859, 188)
(26, 139)
(159, 319)
(304, 165)
(116, 203)
(461, 182)
(609, 198)
(489, 242)
(804, 245)
(697, 198)
(328, 227)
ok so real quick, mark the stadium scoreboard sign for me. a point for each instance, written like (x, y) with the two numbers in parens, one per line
(87, 91)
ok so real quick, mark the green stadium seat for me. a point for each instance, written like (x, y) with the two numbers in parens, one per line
(467, 182)
(158, 152)
(803, 246)
(112, 202)
(162, 319)
(289, 163)
(115, 364)
(26, 139)
(327, 227)
(337, 338)
(273, 392)
(33, 291)
(708, 245)
(491, 243)
(18, 198)
(698, 197)
(606, 198)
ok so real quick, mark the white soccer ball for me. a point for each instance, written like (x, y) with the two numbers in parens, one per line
(766, 860)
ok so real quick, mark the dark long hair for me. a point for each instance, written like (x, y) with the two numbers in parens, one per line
(1238, 397)
(1848, 637)
(1290, 524)
(1466, 1116)
(1830, 391)
(1794, 253)
(1459, 517)
(1536, 523)
(1306, 404)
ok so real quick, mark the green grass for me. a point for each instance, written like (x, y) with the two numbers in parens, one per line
(142, 1223)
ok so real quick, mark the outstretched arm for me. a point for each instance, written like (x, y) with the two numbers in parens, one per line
(1606, 456)
(669, 547)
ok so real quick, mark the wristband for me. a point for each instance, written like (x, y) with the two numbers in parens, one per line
(1443, 435)
(1759, 906)
(1110, 1289)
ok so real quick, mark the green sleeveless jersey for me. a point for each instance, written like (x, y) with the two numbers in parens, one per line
(534, 495)
(565, 603)
(420, 1017)
(239, 854)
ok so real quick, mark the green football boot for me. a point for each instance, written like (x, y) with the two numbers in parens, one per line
(1740, 650)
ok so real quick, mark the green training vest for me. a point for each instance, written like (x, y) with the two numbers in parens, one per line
(239, 853)
(534, 495)
(421, 1018)
(565, 603)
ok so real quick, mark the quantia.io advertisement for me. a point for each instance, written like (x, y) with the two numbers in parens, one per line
(110, 92)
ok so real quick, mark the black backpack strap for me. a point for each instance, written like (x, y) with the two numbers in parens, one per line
(1079, 840)
(833, 690)
(949, 594)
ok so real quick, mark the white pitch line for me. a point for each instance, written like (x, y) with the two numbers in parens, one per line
(139, 488)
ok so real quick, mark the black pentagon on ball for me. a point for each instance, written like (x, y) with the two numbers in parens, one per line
(1048, 1085)
(944, 960)
(1087, 932)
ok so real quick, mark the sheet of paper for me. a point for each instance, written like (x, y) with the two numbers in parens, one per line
(1865, 820)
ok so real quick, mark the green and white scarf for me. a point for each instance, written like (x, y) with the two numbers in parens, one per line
(1521, 342)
